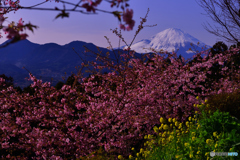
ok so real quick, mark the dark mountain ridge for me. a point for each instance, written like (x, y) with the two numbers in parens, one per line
(48, 60)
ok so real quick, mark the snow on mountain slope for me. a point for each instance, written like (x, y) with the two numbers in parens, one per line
(169, 40)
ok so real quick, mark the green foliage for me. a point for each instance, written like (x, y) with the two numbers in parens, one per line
(216, 131)
(100, 154)
(225, 102)
(218, 48)
(223, 123)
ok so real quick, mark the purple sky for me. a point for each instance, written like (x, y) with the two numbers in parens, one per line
(185, 15)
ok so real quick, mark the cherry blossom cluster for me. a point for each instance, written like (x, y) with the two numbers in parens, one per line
(69, 123)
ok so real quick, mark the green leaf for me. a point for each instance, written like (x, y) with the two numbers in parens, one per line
(63, 14)
(117, 14)
(29, 25)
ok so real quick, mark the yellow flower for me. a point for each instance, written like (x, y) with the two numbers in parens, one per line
(163, 140)
(149, 136)
(176, 124)
(165, 127)
(132, 149)
(180, 125)
(209, 141)
(164, 134)
(177, 156)
(194, 138)
(141, 150)
(198, 152)
(207, 153)
(169, 120)
(190, 155)
(120, 157)
(197, 97)
(205, 101)
(160, 128)
(137, 154)
(161, 120)
(174, 120)
(193, 134)
(170, 138)
(155, 128)
(215, 134)
(130, 156)
(185, 144)
(147, 152)
(189, 118)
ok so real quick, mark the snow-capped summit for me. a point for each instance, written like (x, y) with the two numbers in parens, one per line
(169, 40)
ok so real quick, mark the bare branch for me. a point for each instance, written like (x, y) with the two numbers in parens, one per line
(228, 18)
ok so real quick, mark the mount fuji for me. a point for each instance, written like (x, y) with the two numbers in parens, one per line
(171, 39)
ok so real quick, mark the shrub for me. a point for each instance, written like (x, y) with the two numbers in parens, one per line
(59, 85)
(8, 81)
(225, 102)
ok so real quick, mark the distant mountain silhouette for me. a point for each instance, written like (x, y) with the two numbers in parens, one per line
(47, 61)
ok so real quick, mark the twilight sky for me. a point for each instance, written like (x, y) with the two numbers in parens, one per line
(183, 14)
